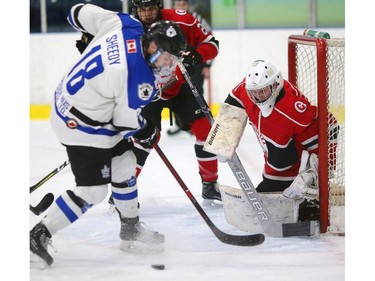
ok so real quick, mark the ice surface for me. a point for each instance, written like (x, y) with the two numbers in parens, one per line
(89, 248)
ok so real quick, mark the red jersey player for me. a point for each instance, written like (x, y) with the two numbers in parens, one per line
(285, 124)
(202, 46)
(283, 120)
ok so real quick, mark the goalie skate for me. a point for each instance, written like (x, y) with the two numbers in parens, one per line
(211, 195)
(136, 238)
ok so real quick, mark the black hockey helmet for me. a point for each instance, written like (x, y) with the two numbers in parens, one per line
(147, 3)
(167, 35)
(163, 45)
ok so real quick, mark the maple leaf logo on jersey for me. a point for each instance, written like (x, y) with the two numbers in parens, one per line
(145, 91)
(105, 172)
(300, 106)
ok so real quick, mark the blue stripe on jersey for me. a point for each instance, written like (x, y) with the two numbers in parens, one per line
(73, 17)
(71, 22)
(88, 130)
(138, 70)
(126, 197)
(69, 213)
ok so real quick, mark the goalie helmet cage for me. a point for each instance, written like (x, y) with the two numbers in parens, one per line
(317, 67)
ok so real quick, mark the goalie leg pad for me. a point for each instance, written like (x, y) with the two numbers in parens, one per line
(239, 213)
(226, 132)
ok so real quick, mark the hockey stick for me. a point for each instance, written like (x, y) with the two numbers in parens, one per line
(43, 205)
(246, 240)
(47, 177)
(270, 227)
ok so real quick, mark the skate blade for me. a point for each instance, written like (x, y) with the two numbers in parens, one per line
(37, 262)
(212, 203)
(136, 247)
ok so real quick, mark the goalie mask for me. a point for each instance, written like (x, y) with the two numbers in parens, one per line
(169, 42)
(263, 84)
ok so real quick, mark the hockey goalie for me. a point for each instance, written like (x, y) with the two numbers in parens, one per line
(286, 126)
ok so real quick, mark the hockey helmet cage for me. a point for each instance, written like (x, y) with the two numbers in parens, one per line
(263, 84)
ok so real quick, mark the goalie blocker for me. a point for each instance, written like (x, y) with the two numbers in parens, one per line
(230, 119)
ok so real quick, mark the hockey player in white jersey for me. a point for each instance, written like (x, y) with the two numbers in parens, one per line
(96, 113)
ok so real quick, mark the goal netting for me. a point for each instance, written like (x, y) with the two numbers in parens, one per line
(317, 67)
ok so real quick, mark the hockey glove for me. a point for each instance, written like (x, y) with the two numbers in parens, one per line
(305, 185)
(147, 136)
(85, 40)
(191, 58)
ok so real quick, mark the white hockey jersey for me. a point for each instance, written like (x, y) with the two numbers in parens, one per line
(99, 99)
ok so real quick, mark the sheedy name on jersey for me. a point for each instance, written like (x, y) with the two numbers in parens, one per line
(113, 52)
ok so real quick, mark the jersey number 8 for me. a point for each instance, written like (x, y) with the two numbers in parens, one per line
(92, 67)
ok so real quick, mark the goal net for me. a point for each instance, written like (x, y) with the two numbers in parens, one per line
(317, 67)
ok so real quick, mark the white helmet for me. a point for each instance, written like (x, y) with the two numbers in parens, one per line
(263, 84)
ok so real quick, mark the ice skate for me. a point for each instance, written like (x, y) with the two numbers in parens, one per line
(211, 195)
(40, 238)
(136, 238)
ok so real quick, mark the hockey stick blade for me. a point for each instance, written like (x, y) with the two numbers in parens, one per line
(237, 240)
(43, 205)
(50, 175)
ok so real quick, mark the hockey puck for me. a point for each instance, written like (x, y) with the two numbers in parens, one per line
(158, 266)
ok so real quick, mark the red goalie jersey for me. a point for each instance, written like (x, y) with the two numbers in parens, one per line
(291, 128)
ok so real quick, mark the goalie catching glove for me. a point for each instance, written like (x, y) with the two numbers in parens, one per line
(305, 185)
(147, 136)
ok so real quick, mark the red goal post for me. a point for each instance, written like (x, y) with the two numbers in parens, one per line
(317, 67)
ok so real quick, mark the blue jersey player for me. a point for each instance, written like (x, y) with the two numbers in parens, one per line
(97, 111)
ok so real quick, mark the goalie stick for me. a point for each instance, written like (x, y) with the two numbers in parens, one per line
(270, 226)
(238, 240)
(43, 205)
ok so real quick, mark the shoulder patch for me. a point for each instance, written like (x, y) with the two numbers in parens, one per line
(131, 46)
(145, 91)
(300, 106)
